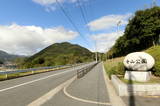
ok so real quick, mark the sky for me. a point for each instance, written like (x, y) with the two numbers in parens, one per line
(28, 26)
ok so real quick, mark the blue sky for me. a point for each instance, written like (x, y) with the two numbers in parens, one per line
(27, 26)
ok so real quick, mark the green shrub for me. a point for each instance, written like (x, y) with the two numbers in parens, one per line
(120, 68)
(156, 69)
(111, 71)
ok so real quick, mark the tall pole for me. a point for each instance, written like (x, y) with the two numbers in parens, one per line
(96, 51)
(159, 40)
(118, 24)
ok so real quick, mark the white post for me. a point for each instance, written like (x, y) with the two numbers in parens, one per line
(6, 76)
(96, 51)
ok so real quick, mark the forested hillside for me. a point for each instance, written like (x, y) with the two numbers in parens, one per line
(59, 54)
(142, 31)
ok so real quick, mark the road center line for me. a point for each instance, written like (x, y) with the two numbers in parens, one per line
(43, 78)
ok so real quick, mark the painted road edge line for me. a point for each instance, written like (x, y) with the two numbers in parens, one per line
(26, 83)
(40, 101)
(114, 98)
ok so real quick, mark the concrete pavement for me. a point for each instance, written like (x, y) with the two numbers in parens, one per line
(141, 101)
(89, 90)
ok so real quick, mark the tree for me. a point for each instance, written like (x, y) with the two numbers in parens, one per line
(1, 62)
(142, 32)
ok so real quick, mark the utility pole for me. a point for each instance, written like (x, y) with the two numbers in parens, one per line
(118, 24)
(96, 51)
(159, 40)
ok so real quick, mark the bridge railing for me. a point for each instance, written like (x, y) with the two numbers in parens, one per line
(83, 71)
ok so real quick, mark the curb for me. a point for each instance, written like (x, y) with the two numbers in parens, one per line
(114, 98)
(82, 100)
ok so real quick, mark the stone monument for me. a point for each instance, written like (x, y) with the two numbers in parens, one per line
(138, 65)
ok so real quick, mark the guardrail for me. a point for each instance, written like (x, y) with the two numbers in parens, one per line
(82, 72)
(16, 73)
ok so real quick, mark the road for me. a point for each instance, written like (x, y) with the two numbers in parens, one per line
(25, 90)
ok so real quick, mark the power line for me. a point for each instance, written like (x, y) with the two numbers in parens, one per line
(70, 20)
(84, 14)
(83, 10)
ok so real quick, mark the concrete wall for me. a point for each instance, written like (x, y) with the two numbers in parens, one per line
(135, 89)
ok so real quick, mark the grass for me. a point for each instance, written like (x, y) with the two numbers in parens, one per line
(110, 64)
(2, 76)
(155, 52)
(151, 81)
(21, 74)
(113, 62)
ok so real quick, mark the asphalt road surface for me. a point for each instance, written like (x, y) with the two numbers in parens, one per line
(90, 89)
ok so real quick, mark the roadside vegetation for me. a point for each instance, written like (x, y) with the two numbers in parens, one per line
(58, 54)
(155, 52)
(22, 74)
(142, 32)
(115, 66)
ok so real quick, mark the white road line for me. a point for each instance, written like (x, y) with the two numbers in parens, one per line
(83, 100)
(40, 101)
(46, 77)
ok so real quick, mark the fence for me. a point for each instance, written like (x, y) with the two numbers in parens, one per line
(85, 70)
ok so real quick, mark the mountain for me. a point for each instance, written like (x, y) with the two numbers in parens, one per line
(59, 54)
(4, 56)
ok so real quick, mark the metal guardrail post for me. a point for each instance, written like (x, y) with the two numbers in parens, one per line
(80, 72)
(6, 76)
(85, 70)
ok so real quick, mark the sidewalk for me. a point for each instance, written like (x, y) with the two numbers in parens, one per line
(114, 98)
(89, 90)
(91, 87)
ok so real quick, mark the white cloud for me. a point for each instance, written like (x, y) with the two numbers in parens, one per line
(105, 41)
(50, 5)
(27, 40)
(109, 21)
(46, 2)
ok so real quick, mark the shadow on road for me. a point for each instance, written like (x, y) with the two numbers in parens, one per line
(131, 99)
